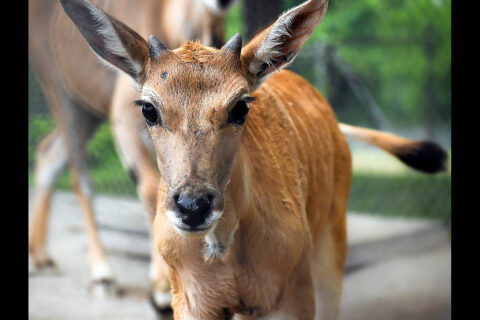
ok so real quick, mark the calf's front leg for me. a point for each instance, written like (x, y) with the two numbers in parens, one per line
(301, 304)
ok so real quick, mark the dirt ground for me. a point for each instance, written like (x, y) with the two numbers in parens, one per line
(396, 268)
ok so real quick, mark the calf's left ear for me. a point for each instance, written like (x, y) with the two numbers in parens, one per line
(277, 45)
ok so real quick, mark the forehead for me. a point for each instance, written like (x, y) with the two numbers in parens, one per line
(194, 72)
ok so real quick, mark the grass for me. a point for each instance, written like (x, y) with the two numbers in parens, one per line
(412, 195)
(385, 186)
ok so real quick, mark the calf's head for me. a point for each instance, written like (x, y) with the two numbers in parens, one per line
(195, 99)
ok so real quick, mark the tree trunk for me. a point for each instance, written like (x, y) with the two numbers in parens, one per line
(337, 85)
(259, 14)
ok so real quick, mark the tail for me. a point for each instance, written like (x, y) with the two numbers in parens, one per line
(425, 156)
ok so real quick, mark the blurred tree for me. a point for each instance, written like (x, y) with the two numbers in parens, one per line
(259, 14)
(401, 50)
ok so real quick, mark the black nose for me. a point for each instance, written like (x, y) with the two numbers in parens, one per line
(193, 210)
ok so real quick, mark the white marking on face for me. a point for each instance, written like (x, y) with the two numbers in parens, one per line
(149, 94)
(212, 219)
(183, 229)
(176, 222)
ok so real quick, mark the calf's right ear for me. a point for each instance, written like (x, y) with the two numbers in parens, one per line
(112, 40)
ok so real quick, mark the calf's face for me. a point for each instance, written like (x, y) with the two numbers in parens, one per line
(195, 99)
(195, 102)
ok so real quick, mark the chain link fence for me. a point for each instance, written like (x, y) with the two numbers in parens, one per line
(381, 184)
(107, 173)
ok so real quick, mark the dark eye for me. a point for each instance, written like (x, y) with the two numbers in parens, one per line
(150, 114)
(238, 114)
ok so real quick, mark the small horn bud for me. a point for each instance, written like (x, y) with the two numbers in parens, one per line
(155, 47)
(234, 44)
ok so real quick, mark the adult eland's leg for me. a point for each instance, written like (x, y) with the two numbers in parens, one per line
(52, 160)
(80, 126)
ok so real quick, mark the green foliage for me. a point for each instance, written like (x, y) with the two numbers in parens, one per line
(39, 127)
(106, 170)
(392, 44)
(234, 21)
(387, 44)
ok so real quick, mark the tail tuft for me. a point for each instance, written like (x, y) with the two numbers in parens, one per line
(425, 156)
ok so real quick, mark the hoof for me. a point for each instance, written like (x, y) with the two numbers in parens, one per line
(102, 272)
(103, 289)
(44, 266)
(103, 281)
(161, 302)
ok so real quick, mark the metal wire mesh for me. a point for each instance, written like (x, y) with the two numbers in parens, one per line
(381, 183)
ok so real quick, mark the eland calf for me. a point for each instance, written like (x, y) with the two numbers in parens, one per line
(255, 168)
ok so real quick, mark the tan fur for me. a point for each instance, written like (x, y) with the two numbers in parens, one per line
(194, 52)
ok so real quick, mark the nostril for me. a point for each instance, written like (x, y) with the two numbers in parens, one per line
(175, 198)
(193, 205)
(202, 203)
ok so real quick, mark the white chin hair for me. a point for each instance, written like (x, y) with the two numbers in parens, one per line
(182, 228)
